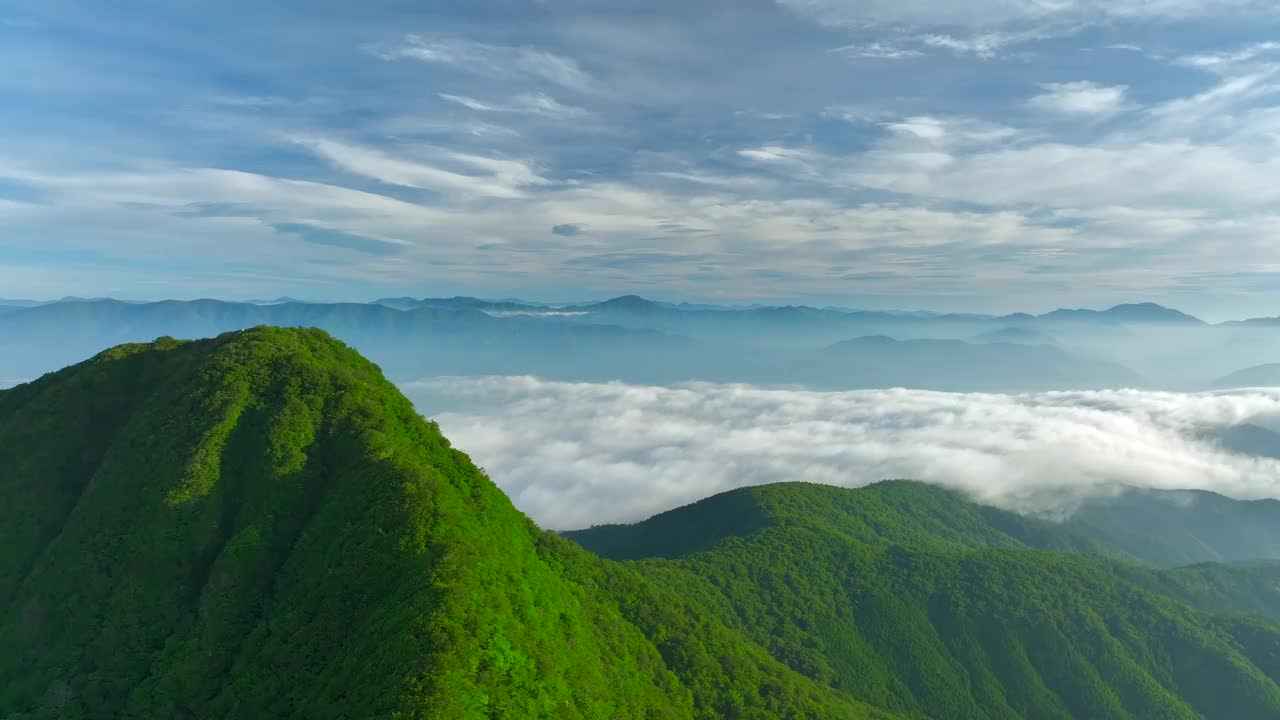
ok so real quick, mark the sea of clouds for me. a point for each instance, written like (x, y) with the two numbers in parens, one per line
(578, 454)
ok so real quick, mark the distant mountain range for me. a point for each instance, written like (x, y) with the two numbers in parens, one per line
(1137, 313)
(635, 339)
(627, 338)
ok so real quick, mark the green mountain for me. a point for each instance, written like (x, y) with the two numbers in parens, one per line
(1184, 527)
(1251, 588)
(912, 599)
(260, 525)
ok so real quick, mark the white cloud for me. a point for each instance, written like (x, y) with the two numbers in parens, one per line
(775, 153)
(1082, 98)
(576, 454)
(473, 104)
(498, 178)
(1134, 171)
(952, 131)
(740, 225)
(523, 104)
(1220, 111)
(877, 51)
(497, 61)
(1228, 61)
(151, 207)
(982, 45)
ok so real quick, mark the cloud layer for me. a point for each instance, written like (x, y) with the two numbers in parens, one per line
(576, 454)
(998, 155)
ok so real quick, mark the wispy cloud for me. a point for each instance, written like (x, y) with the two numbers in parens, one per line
(1082, 98)
(487, 177)
(951, 131)
(1230, 60)
(1219, 110)
(775, 153)
(499, 61)
(982, 45)
(877, 51)
(235, 199)
(574, 454)
(523, 104)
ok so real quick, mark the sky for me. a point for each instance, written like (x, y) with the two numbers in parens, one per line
(573, 455)
(993, 155)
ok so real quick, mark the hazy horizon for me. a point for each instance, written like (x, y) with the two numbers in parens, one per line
(744, 303)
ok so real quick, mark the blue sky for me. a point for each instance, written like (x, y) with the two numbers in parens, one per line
(993, 155)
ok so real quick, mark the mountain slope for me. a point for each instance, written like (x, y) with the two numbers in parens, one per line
(1257, 376)
(911, 599)
(260, 525)
(1239, 588)
(1015, 336)
(1171, 528)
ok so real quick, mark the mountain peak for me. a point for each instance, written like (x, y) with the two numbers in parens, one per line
(627, 303)
(274, 506)
(261, 525)
(922, 515)
(1135, 313)
(1151, 312)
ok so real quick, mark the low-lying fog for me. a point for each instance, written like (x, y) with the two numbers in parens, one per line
(576, 454)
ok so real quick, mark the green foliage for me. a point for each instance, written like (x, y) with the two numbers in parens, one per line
(1171, 529)
(912, 599)
(1252, 588)
(260, 525)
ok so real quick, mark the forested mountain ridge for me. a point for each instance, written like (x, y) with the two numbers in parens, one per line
(260, 525)
(1183, 527)
(908, 597)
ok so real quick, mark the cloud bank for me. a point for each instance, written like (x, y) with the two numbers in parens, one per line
(576, 454)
